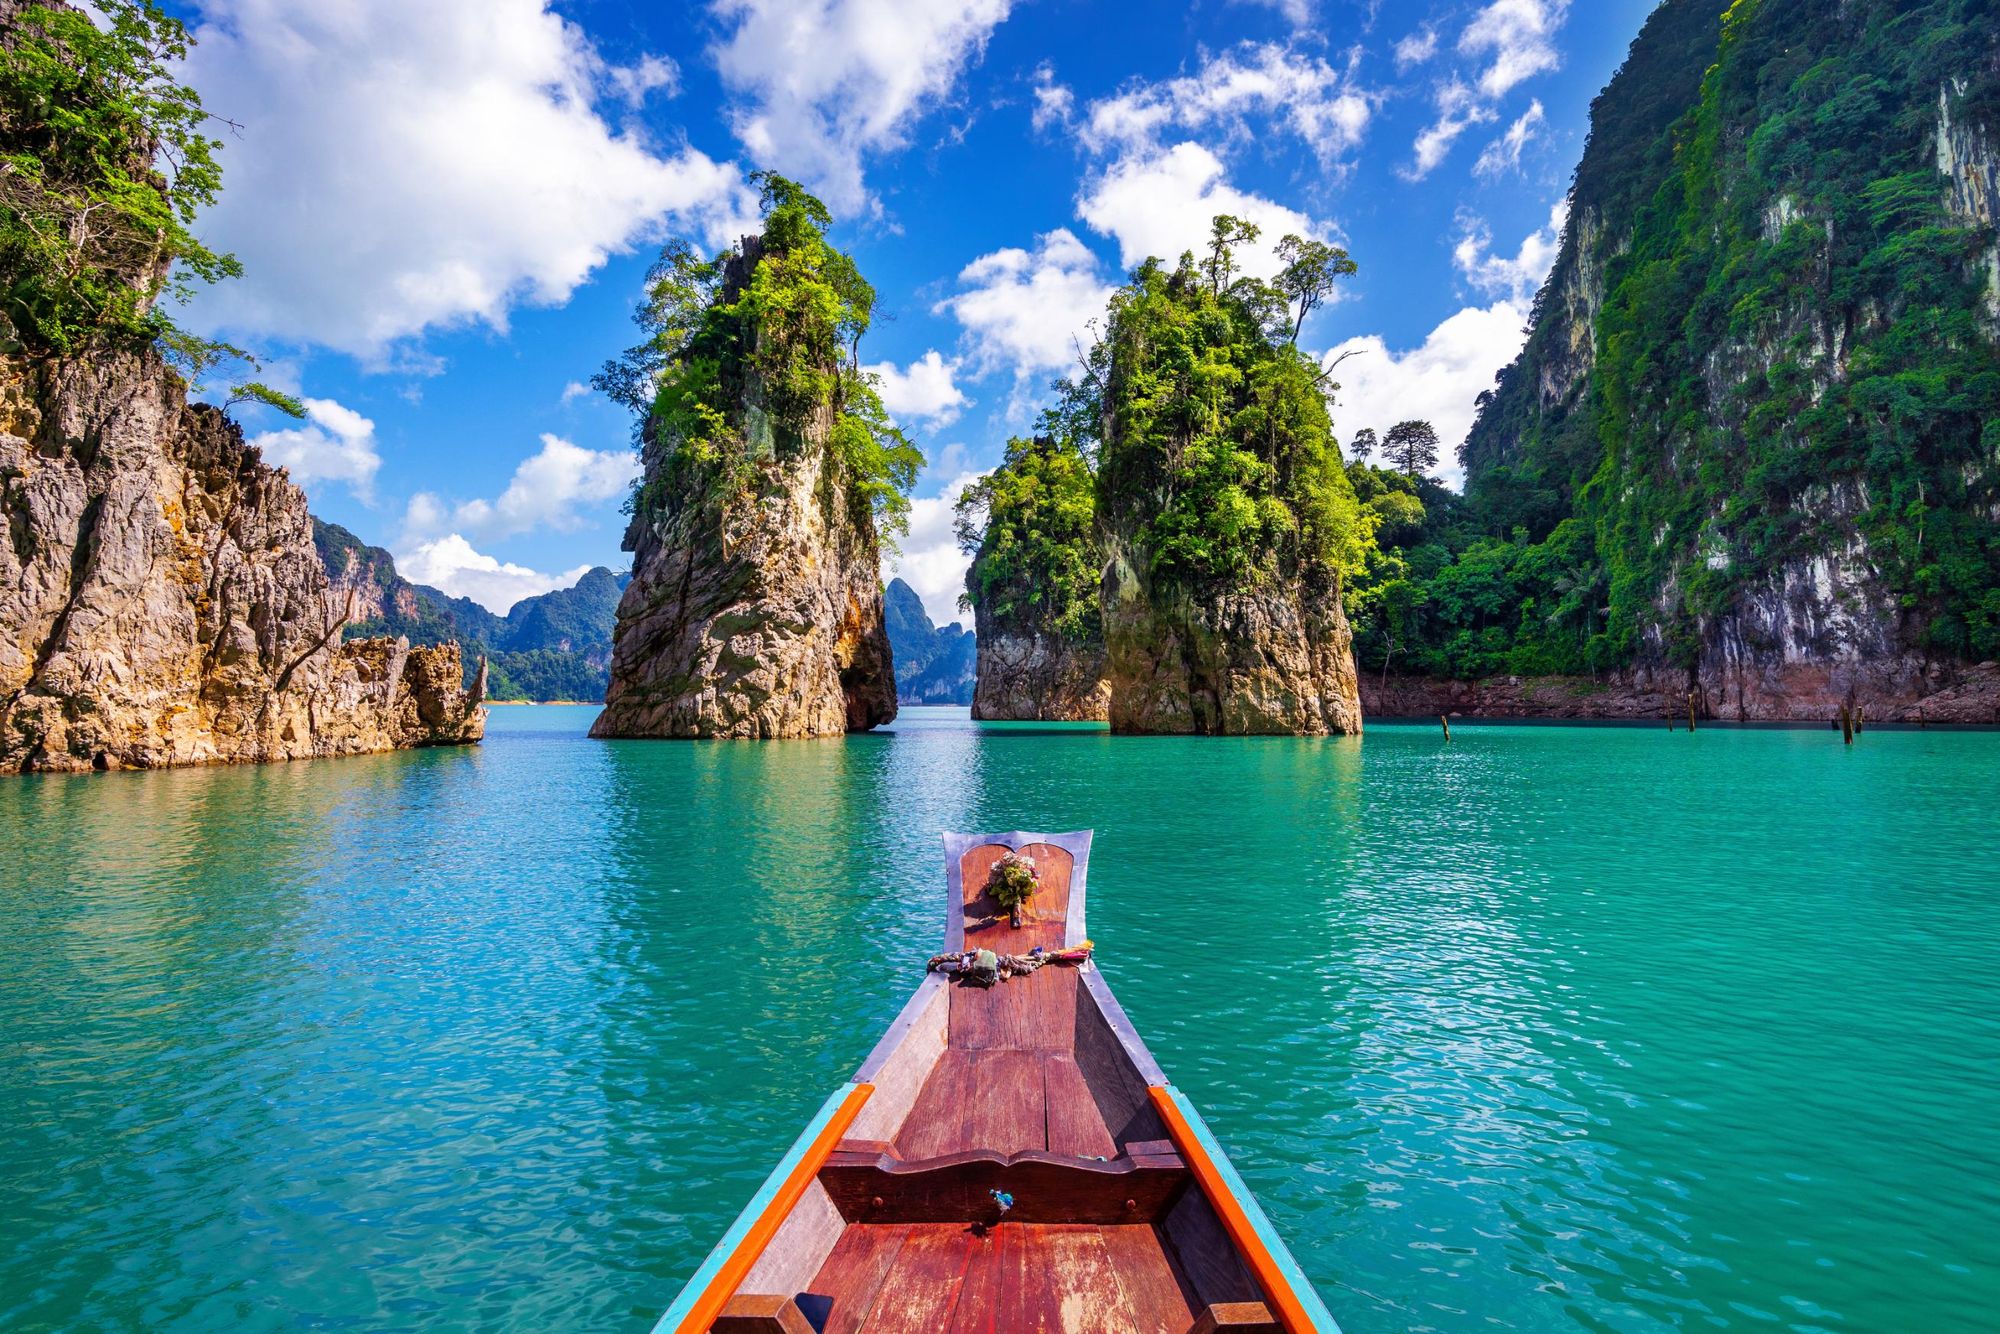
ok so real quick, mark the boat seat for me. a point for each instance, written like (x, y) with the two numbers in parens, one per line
(1235, 1318)
(761, 1314)
(869, 1185)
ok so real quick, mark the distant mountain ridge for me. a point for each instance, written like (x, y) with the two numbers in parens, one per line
(554, 646)
(934, 664)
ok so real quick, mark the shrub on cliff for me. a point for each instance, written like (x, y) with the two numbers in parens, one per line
(104, 166)
(744, 351)
(1218, 456)
(1030, 526)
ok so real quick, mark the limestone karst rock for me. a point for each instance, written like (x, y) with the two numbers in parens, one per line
(1225, 518)
(161, 601)
(755, 607)
(1759, 381)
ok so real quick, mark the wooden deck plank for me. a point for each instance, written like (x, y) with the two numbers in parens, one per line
(1161, 1299)
(847, 1284)
(1076, 1127)
(1032, 1013)
(1006, 1101)
(921, 1290)
(978, 1309)
(939, 1120)
(1058, 1279)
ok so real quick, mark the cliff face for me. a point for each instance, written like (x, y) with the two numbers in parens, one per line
(1760, 375)
(755, 607)
(161, 601)
(1026, 674)
(1262, 660)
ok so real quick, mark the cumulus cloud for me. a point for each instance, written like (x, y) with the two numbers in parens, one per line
(404, 167)
(548, 490)
(1028, 310)
(1417, 48)
(1162, 204)
(1515, 39)
(1298, 13)
(1504, 154)
(574, 390)
(1517, 276)
(929, 559)
(1439, 381)
(820, 84)
(1260, 83)
(336, 445)
(926, 390)
(451, 565)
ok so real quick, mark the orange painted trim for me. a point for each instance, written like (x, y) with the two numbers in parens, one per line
(738, 1266)
(1284, 1303)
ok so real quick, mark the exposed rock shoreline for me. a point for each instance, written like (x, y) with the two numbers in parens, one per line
(1943, 695)
(161, 600)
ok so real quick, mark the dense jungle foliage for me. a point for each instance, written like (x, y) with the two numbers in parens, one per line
(744, 351)
(1793, 350)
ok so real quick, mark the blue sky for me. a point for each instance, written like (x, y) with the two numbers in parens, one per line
(446, 209)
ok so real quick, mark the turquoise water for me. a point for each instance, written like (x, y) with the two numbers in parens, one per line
(1549, 1029)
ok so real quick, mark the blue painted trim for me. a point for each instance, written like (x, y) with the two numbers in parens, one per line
(698, 1283)
(1302, 1287)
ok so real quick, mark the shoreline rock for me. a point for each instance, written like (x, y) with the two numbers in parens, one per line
(161, 600)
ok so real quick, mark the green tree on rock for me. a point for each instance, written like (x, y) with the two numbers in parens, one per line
(1412, 446)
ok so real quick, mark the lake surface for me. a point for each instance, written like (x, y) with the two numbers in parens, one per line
(1552, 1028)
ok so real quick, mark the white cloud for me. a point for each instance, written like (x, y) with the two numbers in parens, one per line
(574, 390)
(929, 560)
(403, 167)
(1266, 81)
(548, 489)
(337, 446)
(1518, 36)
(1439, 382)
(1161, 204)
(451, 565)
(1055, 105)
(1504, 154)
(1458, 111)
(1029, 310)
(927, 390)
(822, 83)
(1298, 13)
(1516, 277)
(1417, 48)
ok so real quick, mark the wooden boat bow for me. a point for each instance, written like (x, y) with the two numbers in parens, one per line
(1123, 1212)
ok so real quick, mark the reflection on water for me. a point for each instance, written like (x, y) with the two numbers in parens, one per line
(1547, 1029)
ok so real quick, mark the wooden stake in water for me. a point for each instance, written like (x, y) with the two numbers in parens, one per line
(1846, 725)
(1447, 726)
(1690, 710)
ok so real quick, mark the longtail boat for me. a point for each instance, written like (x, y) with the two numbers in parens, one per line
(1006, 1159)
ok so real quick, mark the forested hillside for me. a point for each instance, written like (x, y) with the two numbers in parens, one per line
(1750, 447)
(556, 646)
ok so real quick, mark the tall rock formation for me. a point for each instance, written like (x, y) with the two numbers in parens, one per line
(161, 601)
(1030, 527)
(1225, 515)
(1756, 409)
(755, 607)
